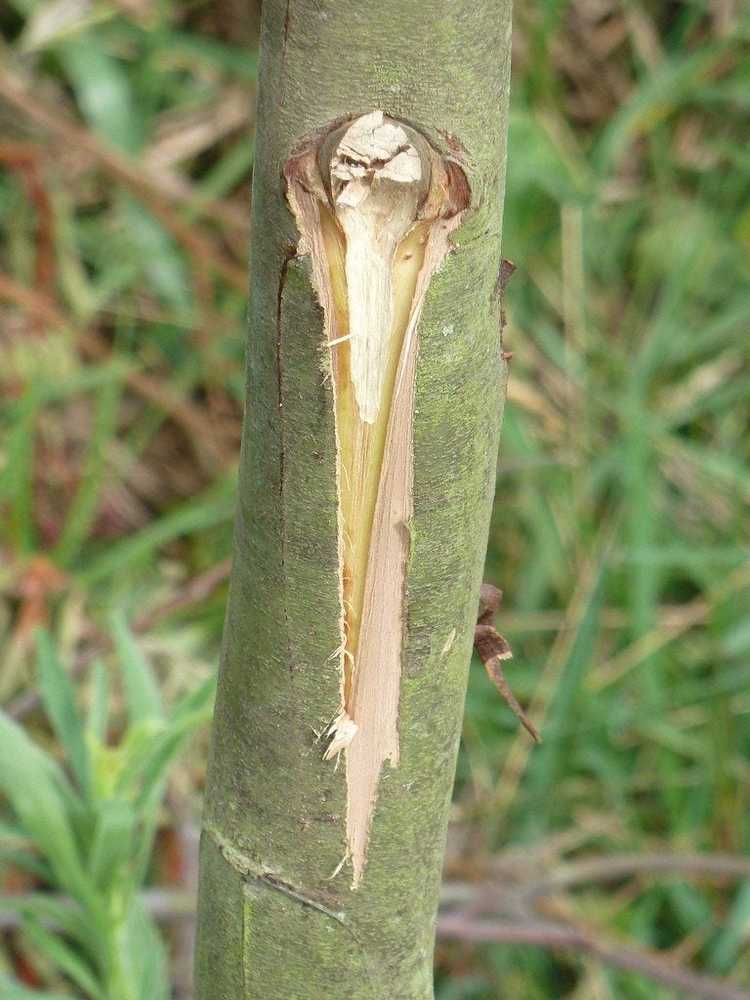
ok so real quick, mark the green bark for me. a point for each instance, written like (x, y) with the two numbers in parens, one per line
(274, 920)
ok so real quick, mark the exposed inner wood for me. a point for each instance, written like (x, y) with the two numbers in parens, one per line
(375, 205)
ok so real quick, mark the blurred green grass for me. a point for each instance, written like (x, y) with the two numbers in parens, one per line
(620, 534)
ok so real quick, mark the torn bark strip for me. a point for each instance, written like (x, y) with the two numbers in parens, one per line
(375, 204)
(493, 648)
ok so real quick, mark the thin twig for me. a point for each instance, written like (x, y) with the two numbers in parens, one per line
(202, 249)
(178, 906)
(693, 613)
(148, 387)
(200, 588)
(610, 869)
(551, 935)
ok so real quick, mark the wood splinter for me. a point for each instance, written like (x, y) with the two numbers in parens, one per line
(492, 648)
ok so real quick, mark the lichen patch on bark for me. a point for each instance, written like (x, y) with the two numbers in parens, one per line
(375, 204)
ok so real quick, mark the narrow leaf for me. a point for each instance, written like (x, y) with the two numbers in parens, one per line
(59, 700)
(99, 710)
(113, 842)
(56, 950)
(141, 688)
(32, 783)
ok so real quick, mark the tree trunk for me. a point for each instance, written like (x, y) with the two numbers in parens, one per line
(375, 388)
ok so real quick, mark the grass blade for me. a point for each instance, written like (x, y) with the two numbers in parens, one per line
(59, 701)
(141, 688)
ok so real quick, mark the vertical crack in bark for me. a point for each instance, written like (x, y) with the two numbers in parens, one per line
(375, 205)
(289, 255)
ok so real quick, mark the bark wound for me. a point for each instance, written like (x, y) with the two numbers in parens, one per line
(375, 204)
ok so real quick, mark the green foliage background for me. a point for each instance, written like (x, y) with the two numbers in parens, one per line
(620, 534)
